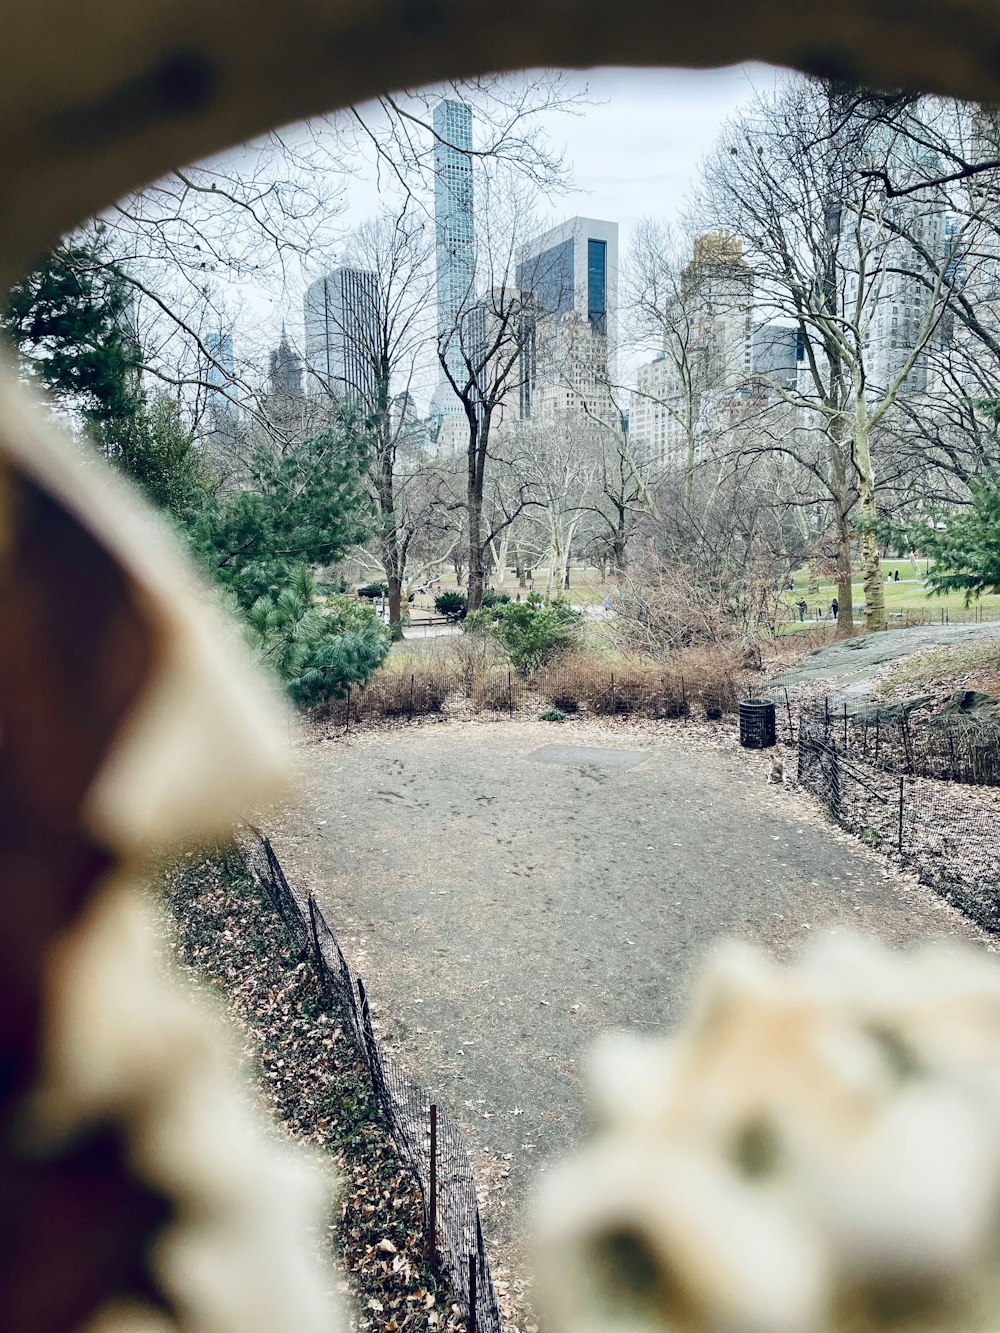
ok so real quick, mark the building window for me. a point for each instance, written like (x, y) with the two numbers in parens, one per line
(597, 285)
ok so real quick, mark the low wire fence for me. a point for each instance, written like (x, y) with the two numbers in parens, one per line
(915, 792)
(428, 1140)
(928, 613)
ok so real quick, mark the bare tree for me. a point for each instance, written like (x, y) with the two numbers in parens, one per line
(483, 357)
(793, 178)
(373, 325)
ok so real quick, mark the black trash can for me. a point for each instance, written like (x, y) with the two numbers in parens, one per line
(758, 730)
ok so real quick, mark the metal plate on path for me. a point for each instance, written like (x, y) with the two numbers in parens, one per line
(594, 755)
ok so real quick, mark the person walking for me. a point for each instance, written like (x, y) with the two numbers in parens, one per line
(802, 609)
(835, 609)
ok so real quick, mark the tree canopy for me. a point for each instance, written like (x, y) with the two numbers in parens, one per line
(69, 318)
(965, 546)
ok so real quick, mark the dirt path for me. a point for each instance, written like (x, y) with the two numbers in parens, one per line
(504, 910)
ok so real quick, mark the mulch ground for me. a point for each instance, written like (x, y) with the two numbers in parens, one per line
(308, 1078)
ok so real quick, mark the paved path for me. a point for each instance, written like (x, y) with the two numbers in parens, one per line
(504, 910)
(849, 667)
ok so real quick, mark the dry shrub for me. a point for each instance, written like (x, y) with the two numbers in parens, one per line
(494, 692)
(471, 657)
(714, 675)
(663, 609)
(710, 675)
(647, 690)
(418, 693)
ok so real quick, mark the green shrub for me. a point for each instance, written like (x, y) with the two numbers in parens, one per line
(493, 598)
(552, 715)
(453, 605)
(530, 634)
(373, 590)
(318, 651)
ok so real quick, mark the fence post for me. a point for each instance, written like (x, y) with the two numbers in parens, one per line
(614, 696)
(432, 1201)
(411, 697)
(826, 716)
(845, 726)
(348, 710)
(902, 781)
(904, 729)
(472, 1294)
(878, 735)
(788, 710)
(317, 952)
(510, 693)
(684, 700)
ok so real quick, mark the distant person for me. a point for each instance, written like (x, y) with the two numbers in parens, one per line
(607, 605)
(802, 609)
(835, 609)
(895, 577)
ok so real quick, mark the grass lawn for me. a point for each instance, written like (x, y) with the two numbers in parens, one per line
(978, 665)
(909, 594)
(586, 587)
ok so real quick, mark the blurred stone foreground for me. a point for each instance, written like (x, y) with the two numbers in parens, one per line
(818, 1150)
(138, 1190)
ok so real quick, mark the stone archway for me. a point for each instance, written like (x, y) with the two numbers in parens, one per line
(96, 100)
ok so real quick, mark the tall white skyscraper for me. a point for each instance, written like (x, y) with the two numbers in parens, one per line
(454, 239)
(341, 329)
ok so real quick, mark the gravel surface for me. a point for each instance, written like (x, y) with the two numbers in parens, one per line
(503, 911)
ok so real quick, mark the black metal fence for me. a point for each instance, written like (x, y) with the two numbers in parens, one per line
(925, 613)
(909, 790)
(428, 1140)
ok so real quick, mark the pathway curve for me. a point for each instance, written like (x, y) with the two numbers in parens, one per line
(504, 910)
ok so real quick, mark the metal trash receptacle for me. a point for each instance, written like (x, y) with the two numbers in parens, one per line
(758, 728)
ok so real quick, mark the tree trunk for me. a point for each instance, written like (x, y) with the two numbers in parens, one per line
(842, 530)
(475, 581)
(395, 607)
(689, 465)
(871, 565)
(391, 556)
(479, 428)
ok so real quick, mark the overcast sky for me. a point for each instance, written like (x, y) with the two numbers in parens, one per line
(637, 151)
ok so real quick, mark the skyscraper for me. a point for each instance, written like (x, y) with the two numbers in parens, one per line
(454, 239)
(340, 313)
(698, 386)
(285, 370)
(575, 267)
(717, 291)
(569, 277)
(223, 416)
(219, 346)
